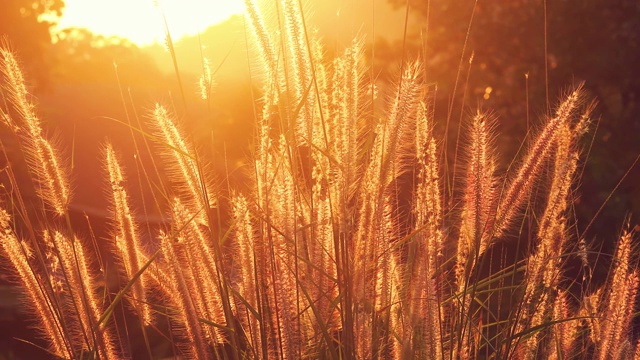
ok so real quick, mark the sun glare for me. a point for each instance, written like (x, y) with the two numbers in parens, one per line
(140, 20)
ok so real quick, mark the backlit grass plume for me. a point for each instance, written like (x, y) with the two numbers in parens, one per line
(42, 156)
(338, 244)
(19, 254)
(127, 242)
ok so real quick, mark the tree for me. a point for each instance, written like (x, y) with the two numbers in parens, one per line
(26, 25)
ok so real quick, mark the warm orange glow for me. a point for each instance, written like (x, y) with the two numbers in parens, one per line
(140, 20)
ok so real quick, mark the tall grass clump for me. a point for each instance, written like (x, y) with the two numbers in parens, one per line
(323, 254)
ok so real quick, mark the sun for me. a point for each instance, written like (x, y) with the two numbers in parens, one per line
(140, 21)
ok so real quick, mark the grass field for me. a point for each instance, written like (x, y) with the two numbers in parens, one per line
(346, 241)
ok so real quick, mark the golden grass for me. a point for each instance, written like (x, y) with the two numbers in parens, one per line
(322, 257)
(43, 158)
(19, 254)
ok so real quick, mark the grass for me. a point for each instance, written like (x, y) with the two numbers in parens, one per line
(344, 246)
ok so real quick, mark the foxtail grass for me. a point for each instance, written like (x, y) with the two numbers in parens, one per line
(339, 245)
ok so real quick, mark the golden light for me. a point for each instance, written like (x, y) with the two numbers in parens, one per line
(140, 20)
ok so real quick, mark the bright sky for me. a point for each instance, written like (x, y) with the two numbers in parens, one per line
(140, 21)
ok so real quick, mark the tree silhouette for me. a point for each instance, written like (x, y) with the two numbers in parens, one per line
(25, 25)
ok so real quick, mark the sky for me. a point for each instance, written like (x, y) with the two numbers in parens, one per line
(140, 20)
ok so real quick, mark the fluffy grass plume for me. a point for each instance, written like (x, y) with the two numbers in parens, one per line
(339, 245)
(42, 156)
